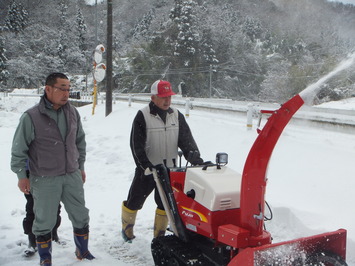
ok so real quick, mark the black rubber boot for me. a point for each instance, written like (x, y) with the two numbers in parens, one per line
(32, 246)
(81, 239)
(55, 237)
(32, 241)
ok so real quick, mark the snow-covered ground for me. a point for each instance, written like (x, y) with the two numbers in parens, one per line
(311, 183)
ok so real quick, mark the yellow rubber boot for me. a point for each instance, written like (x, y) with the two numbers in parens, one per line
(160, 223)
(128, 221)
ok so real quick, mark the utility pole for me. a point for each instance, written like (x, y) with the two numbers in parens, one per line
(109, 82)
(96, 41)
(210, 81)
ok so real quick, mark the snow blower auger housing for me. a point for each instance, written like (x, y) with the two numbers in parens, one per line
(216, 215)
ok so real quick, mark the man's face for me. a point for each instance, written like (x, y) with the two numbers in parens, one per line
(58, 94)
(162, 102)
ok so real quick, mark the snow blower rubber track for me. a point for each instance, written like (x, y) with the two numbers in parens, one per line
(170, 250)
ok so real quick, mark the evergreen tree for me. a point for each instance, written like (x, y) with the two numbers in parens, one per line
(82, 31)
(17, 18)
(188, 38)
(4, 74)
(141, 29)
(63, 36)
(207, 50)
(175, 13)
(252, 27)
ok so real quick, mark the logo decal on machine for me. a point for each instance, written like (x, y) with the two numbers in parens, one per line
(191, 213)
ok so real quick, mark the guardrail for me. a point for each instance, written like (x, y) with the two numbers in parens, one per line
(329, 118)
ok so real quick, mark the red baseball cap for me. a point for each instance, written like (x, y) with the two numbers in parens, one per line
(162, 88)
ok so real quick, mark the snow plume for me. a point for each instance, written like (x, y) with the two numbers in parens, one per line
(281, 255)
(311, 91)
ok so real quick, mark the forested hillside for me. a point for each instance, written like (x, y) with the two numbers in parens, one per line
(265, 50)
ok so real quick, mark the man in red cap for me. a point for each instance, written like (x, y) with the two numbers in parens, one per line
(157, 132)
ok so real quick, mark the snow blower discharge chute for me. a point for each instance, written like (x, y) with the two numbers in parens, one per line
(216, 215)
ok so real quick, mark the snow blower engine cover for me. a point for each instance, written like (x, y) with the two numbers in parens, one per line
(215, 189)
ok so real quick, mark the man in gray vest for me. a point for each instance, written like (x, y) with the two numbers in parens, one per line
(50, 136)
(157, 132)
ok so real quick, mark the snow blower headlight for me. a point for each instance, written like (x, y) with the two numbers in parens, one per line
(221, 158)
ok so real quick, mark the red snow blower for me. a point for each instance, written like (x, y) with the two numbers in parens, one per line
(217, 217)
